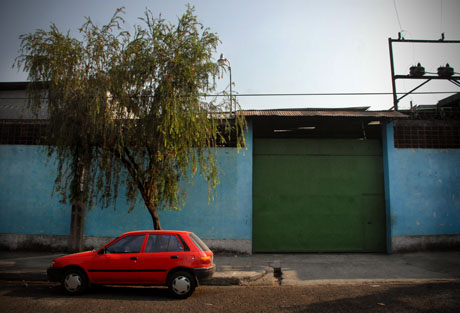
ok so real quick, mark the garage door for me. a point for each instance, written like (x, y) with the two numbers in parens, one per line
(317, 195)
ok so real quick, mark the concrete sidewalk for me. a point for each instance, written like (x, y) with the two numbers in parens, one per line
(285, 269)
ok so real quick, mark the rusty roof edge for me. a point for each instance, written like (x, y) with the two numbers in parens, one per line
(323, 113)
(354, 109)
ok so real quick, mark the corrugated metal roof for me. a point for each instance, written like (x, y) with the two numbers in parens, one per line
(450, 101)
(14, 105)
(323, 113)
(13, 85)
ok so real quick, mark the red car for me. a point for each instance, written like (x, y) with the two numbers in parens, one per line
(177, 259)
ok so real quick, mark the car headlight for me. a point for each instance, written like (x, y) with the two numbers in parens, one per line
(52, 263)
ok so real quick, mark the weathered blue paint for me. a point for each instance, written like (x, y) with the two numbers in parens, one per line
(26, 182)
(386, 178)
(26, 206)
(422, 189)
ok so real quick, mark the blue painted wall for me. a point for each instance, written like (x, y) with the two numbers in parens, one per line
(422, 189)
(26, 205)
(26, 183)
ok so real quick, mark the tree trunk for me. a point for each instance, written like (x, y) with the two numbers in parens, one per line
(77, 218)
(77, 227)
(153, 212)
(151, 208)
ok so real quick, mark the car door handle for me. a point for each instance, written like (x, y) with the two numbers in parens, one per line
(133, 258)
(174, 257)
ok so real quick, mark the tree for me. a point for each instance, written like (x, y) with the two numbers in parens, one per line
(129, 109)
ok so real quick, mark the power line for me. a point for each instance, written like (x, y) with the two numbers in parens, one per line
(329, 94)
(397, 15)
(441, 24)
(293, 94)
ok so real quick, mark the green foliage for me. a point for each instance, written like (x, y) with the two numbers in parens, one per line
(136, 102)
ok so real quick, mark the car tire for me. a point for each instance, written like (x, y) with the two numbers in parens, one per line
(75, 281)
(181, 285)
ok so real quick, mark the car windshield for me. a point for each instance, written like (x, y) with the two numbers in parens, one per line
(198, 242)
(100, 248)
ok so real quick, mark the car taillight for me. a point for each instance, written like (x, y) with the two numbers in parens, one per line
(206, 260)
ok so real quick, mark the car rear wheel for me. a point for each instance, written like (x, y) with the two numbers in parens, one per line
(181, 285)
(75, 281)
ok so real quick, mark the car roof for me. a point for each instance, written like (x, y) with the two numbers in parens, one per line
(140, 232)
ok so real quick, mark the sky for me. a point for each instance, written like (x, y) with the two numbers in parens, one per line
(282, 47)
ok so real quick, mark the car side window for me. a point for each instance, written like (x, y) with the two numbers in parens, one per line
(128, 244)
(163, 243)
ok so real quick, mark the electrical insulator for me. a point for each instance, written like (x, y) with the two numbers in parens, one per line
(445, 71)
(417, 71)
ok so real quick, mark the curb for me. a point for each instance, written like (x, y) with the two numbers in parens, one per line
(237, 279)
(264, 278)
(372, 281)
(24, 275)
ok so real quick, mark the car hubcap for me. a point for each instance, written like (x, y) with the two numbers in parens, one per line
(181, 285)
(72, 282)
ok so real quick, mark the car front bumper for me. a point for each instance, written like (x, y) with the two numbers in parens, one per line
(204, 273)
(55, 273)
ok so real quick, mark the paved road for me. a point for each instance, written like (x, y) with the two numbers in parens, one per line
(297, 269)
(361, 297)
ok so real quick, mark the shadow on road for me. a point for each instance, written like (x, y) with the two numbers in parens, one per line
(54, 291)
(444, 297)
(354, 298)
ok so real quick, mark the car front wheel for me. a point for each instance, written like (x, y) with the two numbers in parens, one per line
(181, 285)
(75, 281)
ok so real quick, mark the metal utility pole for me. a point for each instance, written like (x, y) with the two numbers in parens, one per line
(418, 72)
(226, 62)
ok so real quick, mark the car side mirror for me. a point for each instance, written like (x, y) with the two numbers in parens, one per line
(102, 251)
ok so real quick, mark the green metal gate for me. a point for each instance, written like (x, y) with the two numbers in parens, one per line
(318, 195)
